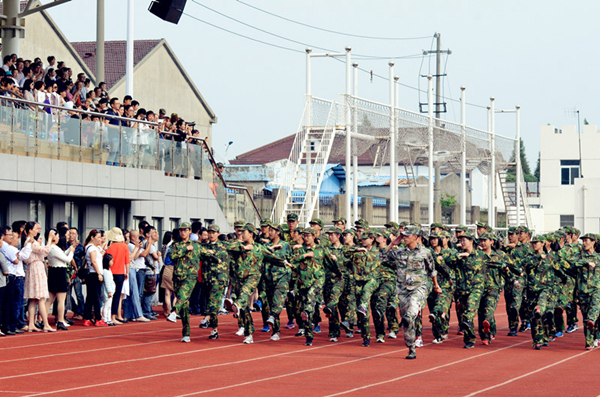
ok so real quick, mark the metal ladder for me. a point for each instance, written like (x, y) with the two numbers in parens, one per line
(509, 194)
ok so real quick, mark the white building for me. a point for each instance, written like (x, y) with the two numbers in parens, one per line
(570, 177)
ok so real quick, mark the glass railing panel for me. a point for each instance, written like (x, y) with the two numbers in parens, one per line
(94, 143)
(196, 153)
(165, 148)
(130, 155)
(70, 137)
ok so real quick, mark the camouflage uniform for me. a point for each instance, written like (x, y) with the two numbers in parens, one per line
(385, 299)
(470, 281)
(333, 288)
(277, 280)
(215, 276)
(440, 304)
(247, 274)
(185, 276)
(515, 305)
(414, 269)
(574, 251)
(588, 291)
(289, 303)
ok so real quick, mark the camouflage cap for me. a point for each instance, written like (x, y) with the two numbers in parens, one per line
(391, 225)
(468, 235)
(278, 227)
(335, 230)
(265, 222)
(220, 165)
(437, 224)
(411, 230)
(250, 227)
(567, 229)
(436, 235)
(239, 223)
(487, 236)
(461, 228)
(367, 234)
(340, 219)
(309, 230)
(185, 225)
(447, 234)
(213, 228)
(361, 223)
(349, 231)
(550, 237)
(513, 230)
(284, 228)
(576, 231)
(591, 236)
(403, 223)
(417, 224)
(292, 217)
(524, 229)
(481, 224)
(316, 221)
(538, 239)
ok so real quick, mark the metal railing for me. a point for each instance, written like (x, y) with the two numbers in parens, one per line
(36, 129)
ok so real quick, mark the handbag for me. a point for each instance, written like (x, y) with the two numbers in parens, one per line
(150, 284)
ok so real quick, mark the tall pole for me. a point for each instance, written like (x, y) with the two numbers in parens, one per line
(129, 59)
(99, 41)
(393, 165)
(492, 179)
(10, 31)
(519, 170)
(430, 146)
(463, 159)
(348, 133)
(307, 120)
(438, 83)
(396, 128)
(355, 156)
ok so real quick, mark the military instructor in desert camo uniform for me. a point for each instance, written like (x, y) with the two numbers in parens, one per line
(415, 265)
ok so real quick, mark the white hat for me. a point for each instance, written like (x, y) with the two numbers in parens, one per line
(115, 234)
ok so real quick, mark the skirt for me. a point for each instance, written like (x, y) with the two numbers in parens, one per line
(36, 282)
(57, 280)
(167, 278)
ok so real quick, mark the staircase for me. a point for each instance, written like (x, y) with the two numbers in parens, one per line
(305, 169)
(509, 193)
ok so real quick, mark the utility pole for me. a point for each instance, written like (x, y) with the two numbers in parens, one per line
(438, 103)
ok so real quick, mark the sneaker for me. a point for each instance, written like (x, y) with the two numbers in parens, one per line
(431, 318)
(596, 342)
(493, 337)
(525, 327)
(380, 339)
(152, 318)
(469, 346)
(87, 323)
(257, 305)
(513, 332)
(362, 311)
(419, 342)
(346, 326)
(300, 332)
(185, 339)
(366, 342)
(101, 324)
(485, 342)
(172, 317)
(445, 336)
(222, 312)
(214, 334)
(438, 341)
(275, 337)
(248, 339)
(317, 329)
(266, 328)
(589, 348)
(392, 335)
(271, 321)
(412, 354)
(203, 323)
(572, 328)
(459, 332)
(559, 335)
(358, 331)
(590, 325)
(290, 325)
(537, 346)
(350, 334)
(308, 342)
(551, 339)
(240, 331)
(486, 326)
(334, 339)
(304, 316)
(545, 344)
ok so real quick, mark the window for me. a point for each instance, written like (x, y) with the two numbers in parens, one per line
(567, 220)
(174, 223)
(136, 222)
(569, 170)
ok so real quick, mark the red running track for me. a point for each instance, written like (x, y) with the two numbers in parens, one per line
(147, 359)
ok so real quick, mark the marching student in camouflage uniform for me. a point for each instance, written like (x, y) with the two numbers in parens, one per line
(318, 225)
(340, 223)
(439, 304)
(384, 302)
(215, 274)
(262, 303)
(277, 277)
(470, 280)
(247, 273)
(186, 256)
(347, 305)
(512, 296)
(308, 261)
(520, 255)
(497, 275)
(366, 267)
(415, 266)
(292, 224)
(573, 251)
(334, 282)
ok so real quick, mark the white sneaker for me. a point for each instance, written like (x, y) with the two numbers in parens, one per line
(381, 339)
(248, 339)
(596, 343)
(172, 317)
(185, 339)
(66, 324)
(392, 335)
(438, 341)
(334, 339)
(240, 331)
(204, 323)
(419, 342)
(275, 337)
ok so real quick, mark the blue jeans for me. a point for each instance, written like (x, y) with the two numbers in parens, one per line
(146, 299)
(76, 305)
(132, 307)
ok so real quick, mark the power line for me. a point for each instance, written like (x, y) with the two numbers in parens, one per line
(328, 30)
(359, 56)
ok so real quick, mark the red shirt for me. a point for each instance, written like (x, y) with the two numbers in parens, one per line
(120, 253)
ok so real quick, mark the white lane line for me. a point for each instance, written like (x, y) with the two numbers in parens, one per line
(426, 370)
(192, 369)
(527, 374)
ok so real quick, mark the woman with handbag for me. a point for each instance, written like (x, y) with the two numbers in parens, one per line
(120, 253)
(93, 257)
(58, 283)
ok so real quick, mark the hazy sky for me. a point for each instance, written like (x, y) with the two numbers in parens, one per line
(540, 55)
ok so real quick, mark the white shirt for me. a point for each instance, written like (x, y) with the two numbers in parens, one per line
(88, 250)
(58, 258)
(139, 263)
(15, 270)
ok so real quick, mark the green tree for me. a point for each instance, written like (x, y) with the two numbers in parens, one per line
(527, 176)
(536, 173)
